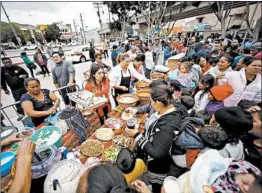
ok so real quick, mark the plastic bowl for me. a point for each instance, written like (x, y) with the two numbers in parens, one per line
(6, 167)
(57, 143)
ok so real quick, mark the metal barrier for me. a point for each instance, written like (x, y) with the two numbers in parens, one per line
(63, 90)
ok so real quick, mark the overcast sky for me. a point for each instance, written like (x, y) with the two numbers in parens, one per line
(49, 12)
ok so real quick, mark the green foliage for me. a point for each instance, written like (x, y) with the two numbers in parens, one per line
(8, 35)
(52, 33)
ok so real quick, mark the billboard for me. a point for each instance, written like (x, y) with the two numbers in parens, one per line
(43, 27)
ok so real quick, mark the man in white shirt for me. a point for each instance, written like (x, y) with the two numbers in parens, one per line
(149, 63)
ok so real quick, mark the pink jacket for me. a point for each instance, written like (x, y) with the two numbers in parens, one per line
(237, 79)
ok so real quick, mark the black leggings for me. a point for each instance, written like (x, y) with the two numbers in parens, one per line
(156, 188)
(44, 69)
(102, 119)
(32, 72)
(106, 54)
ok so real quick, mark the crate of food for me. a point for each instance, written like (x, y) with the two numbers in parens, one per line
(87, 99)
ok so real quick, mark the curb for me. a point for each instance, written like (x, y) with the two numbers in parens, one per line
(29, 54)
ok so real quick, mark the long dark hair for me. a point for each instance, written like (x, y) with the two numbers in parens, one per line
(40, 52)
(209, 80)
(93, 70)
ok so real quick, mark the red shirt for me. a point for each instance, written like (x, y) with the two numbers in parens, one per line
(100, 90)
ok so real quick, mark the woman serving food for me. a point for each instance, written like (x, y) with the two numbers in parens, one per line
(120, 77)
(98, 84)
(38, 103)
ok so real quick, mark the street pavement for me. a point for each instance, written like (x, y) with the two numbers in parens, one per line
(16, 59)
(47, 83)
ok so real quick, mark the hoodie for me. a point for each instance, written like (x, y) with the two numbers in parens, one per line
(157, 142)
(187, 140)
(26, 60)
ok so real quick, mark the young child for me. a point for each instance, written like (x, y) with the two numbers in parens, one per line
(216, 96)
(132, 168)
(187, 101)
(189, 143)
(173, 71)
(203, 115)
(185, 77)
(201, 97)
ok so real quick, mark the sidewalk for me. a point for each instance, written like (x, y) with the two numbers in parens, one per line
(46, 83)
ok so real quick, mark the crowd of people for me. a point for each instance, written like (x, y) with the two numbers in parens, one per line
(203, 131)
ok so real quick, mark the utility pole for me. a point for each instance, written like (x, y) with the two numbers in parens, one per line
(18, 39)
(108, 14)
(76, 30)
(83, 28)
(32, 32)
(97, 5)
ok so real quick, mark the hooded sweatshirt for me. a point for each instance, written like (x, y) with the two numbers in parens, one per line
(157, 142)
(188, 139)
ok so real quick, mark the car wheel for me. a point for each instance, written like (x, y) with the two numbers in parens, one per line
(82, 59)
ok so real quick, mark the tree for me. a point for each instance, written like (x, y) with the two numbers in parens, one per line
(125, 11)
(159, 14)
(7, 34)
(52, 33)
(39, 37)
(222, 11)
(154, 13)
(255, 33)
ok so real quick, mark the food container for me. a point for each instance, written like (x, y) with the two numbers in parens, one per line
(46, 136)
(104, 134)
(122, 141)
(27, 132)
(111, 153)
(157, 76)
(63, 177)
(112, 122)
(7, 161)
(92, 148)
(171, 185)
(141, 85)
(7, 131)
(143, 96)
(63, 126)
(87, 99)
(49, 156)
(131, 123)
(127, 100)
(118, 129)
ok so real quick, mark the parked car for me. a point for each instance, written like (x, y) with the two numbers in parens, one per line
(116, 42)
(79, 54)
(29, 47)
(73, 44)
(52, 45)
